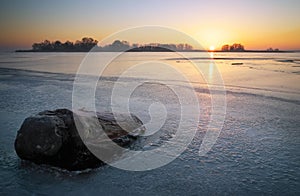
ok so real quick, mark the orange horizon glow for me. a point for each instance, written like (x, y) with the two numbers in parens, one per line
(211, 44)
(284, 41)
(254, 24)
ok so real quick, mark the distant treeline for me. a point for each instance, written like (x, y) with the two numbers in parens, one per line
(240, 48)
(86, 44)
(233, 48)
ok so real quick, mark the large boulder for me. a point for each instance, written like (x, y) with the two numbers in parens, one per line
(51, 137)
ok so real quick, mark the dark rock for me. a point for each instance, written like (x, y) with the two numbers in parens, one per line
(236, 63)
(51, 137)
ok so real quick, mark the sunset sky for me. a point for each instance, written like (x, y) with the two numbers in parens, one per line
(257, 24)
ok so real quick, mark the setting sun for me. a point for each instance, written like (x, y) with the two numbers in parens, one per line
(211, 48)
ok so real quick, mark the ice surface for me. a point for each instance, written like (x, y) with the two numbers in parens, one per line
(257, 151)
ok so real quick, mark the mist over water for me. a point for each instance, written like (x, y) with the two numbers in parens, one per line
(256, 152)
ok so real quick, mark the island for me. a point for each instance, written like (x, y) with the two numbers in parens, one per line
(87, 44)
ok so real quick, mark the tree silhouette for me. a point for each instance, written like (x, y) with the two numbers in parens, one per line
(233, 48)
(87, 43)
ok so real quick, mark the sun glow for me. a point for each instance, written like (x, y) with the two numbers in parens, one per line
(211, 48)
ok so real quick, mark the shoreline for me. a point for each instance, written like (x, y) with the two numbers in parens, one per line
(167, 50)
